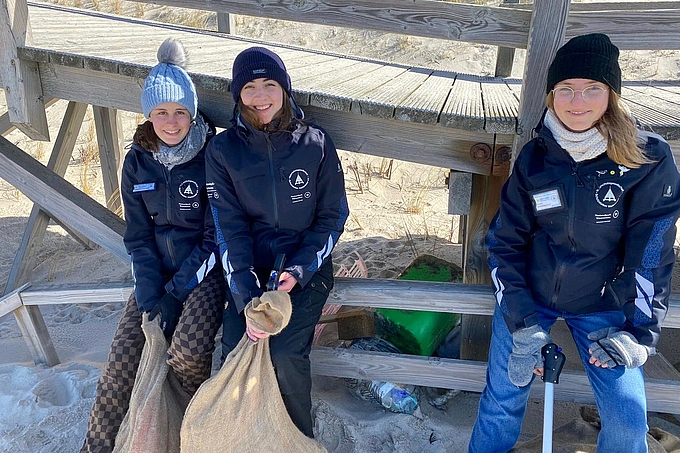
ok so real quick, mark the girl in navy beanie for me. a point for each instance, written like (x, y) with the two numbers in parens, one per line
(276, 189)
(585, 233)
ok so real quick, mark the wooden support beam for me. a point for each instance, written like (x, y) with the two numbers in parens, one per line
(460, 192)
(109, 135)
(225, 23)
(546, 35)
(476, 329)
(662, 396)
(61, 199)
(32, 327)
(24, 261)
(506, 55)
(6, 125)
(23, 91)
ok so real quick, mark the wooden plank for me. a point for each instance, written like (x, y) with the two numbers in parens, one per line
(505, 59)
(109, 138)
(500, 107)
(433, 19)
(31, 241)
(82, 293)
(448, 148)
(383, 100)
(427, 101)
(464, 109)
(60, 199)
(548, 25)
(630, 29)
(662, 396)
(20, 79)
(359, 292)
(348, 90)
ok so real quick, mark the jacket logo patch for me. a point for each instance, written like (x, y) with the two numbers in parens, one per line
(667, 191)
(144, 187)
(608, 194)
(188, 189)
(298, 179)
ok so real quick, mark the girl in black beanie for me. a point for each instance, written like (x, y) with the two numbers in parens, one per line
(585, 232)
(276, 187)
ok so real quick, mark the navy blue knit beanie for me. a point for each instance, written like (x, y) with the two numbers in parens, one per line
(168, 81)
(256, 63)
(590, 56)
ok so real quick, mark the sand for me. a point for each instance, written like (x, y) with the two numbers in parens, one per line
(393, 220)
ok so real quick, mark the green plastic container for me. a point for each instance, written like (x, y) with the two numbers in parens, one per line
(419, 332)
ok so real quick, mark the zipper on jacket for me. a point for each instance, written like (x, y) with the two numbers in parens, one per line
(570, 234)
(270, 151)
(168, 212)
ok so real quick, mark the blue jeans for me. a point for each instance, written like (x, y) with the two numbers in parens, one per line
(619, 392)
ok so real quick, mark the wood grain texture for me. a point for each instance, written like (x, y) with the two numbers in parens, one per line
(20, 79)
(61, 199)
(662, 396)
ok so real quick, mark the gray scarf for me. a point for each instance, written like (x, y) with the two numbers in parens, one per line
(580, 145)
(187, 149)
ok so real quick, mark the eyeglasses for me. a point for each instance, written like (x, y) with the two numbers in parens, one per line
(592, 93)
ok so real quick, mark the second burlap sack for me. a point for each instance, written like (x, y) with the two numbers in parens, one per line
(240, 409)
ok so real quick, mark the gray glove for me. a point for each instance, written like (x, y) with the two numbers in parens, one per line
(613, 347)
(526, 354)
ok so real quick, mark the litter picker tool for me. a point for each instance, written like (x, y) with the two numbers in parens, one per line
(275, 274)
(553, 362)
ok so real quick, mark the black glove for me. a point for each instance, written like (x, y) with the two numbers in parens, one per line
(169, 308)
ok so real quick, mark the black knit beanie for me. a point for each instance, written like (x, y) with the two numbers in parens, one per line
(255, 63)
(590, 56)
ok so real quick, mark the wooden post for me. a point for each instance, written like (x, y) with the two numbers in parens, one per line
(460, 192)
(546, 35)
(24, 261)
(476, 329)
(505, 56)
(108, 137)
(225, 23)
(21, 80)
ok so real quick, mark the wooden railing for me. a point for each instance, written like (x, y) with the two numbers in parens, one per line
(662, 395)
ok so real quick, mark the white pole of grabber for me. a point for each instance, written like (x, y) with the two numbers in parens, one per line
(553, 361)
(548, 416)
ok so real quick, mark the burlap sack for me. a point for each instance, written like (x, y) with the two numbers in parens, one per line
(157, 404)
(240, 409)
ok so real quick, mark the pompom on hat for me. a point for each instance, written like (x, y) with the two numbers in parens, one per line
(168, 81)
(590, 56)
(256, 63)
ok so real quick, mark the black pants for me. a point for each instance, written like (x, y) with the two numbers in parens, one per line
(289, 349)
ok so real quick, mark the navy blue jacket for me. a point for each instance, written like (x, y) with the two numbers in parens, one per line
(170, 229)
(586, 237)
(271, 193)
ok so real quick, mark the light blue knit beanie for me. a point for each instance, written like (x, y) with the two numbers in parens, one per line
(168, 81)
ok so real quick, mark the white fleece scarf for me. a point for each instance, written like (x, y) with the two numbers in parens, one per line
(580, 145)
